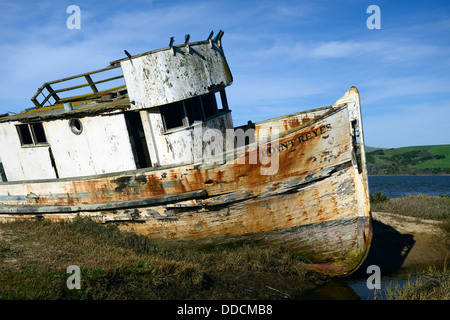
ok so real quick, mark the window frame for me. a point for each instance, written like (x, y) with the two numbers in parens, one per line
(223, 102)
(185, 119)
(31, 131)
(183, 116)
(76, 126)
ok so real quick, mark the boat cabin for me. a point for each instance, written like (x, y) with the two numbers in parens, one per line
(168, 96)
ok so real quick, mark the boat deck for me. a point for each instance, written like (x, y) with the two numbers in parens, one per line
(81, 107)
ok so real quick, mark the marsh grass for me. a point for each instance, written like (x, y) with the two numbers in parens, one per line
(432, 284)
(34, 256)
(420, 206)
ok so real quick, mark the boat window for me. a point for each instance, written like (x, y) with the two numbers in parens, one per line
(194, 110)
(221, 99)
(31, 134)
(186, 113)
(24, 134)
(173, 115)
(39, 134)
(209, 105)
(76, 126)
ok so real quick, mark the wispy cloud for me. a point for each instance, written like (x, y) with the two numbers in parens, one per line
(409, 88)
(386, 50)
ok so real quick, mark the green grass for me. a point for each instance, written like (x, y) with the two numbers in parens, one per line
(423, 160)
(436, 163)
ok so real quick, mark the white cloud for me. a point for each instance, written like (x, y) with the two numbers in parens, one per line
(386, 50)
(408, 87)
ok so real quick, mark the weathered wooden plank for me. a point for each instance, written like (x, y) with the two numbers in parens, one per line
(165, 76)
(113, 205)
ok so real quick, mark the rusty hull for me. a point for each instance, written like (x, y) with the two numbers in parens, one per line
(316, 202)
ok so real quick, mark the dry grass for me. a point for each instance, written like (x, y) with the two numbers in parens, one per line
(34, 256)
(432, 284)
(420, 206)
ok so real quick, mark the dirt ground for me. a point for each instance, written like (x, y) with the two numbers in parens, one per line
(406, 242)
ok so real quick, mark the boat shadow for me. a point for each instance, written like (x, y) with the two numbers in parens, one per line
(389, 249)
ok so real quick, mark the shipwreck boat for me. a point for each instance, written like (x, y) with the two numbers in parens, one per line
(159, 155)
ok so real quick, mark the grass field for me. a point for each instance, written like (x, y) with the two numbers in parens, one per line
(118, 265)
(437, 163)
(417, 160)
(419, 206)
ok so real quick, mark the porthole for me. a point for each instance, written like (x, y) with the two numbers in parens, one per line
(76, 126)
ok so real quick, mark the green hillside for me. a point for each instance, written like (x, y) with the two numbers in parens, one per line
(419, 160)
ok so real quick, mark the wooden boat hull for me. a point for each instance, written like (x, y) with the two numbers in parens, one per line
(306, 192)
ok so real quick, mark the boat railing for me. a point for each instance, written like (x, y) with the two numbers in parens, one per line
(51, 92)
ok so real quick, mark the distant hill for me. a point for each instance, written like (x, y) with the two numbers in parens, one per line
(420, 160)
(370, 149)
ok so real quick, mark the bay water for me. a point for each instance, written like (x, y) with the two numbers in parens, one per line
(397, 186)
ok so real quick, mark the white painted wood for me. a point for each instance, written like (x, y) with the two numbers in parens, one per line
(185, 145)
(102, 147)
(23, 163)
(161, 77)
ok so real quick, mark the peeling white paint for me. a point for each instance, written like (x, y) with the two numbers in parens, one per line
(161, 77)
(185, 145)
(23, 163)
(102, 147)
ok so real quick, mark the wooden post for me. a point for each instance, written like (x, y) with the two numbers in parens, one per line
(91, 83)
(171, 46)
(52, 93)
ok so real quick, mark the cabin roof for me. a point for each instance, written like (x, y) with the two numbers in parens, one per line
(80, 109)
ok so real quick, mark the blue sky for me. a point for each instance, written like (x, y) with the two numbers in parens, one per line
(285, 56)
